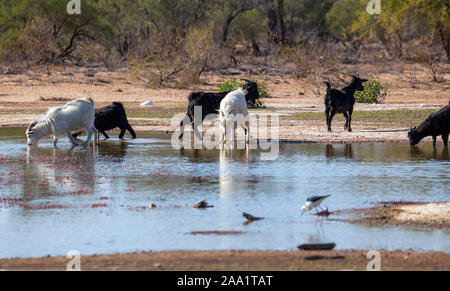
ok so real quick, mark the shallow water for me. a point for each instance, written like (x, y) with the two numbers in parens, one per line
(56, 200)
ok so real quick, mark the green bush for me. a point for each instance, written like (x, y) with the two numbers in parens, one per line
(374, 92)
(234, 84)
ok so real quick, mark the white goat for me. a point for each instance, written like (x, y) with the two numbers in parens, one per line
(58, 121)
(233, 108)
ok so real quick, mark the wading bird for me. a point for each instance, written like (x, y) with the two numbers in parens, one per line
(313, 202)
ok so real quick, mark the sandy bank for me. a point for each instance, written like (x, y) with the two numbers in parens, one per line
(240, 261)
(412, 214)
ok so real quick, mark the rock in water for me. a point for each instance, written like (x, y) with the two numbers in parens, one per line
(202, 204)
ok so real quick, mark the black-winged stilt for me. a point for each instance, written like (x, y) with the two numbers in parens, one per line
(313, 202)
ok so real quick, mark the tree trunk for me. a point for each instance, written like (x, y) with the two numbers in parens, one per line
(231, 16)
(281, 21)
(225, 29)
(445, 40)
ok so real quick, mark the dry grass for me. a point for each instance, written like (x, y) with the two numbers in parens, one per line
(381, 118)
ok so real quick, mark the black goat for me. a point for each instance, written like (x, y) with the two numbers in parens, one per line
(210, 103)
(342, 101)
(437, 124)
(110, 117)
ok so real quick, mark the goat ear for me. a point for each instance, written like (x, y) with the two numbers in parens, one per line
(364, 80)
(32, 125)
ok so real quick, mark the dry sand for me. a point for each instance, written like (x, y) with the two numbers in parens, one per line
(240, 261)
(410, 214)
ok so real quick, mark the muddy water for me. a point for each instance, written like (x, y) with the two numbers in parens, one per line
(56, 200)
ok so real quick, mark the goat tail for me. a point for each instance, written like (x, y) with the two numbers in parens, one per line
(328, 88)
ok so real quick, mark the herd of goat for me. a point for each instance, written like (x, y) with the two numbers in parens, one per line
(78, 115)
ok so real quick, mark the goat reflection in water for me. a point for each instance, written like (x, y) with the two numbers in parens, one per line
(233, 165)
(436, 154)
(334, 151)
(55, 170)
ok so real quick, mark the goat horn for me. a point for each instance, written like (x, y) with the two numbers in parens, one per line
(248, 81)
(32, 125)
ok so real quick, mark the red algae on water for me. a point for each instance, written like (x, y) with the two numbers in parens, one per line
(99, 205)
(217, 232)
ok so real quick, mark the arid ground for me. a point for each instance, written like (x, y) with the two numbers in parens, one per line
(240, 261)
(413, 96)
(434, 215)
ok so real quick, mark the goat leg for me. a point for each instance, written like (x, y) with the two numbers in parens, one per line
(434, 141)
(69, 135)
(247, 132)
(122, 133)
(195, 128)
(76, 134)
(332, 114)
(89, 137)
(346, 121)
(131, 131)
(181, 130)
(350, 120)
(96, 136)
(104, 134)
(327, 116)
(445, 139)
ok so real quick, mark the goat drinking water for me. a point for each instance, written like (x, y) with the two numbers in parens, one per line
(76, 115)
(437, 124)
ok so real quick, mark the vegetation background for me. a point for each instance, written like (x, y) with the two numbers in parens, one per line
(174, 42)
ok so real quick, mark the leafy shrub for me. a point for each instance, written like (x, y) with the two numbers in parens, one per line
(229, 85)
(234, 84)
(374, 92)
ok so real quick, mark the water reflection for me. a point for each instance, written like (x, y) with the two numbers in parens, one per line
(54, 170)
(337, 151)
(116, 151)
(436, 154)
(234, 181)
(228, 177)
(199, 156)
